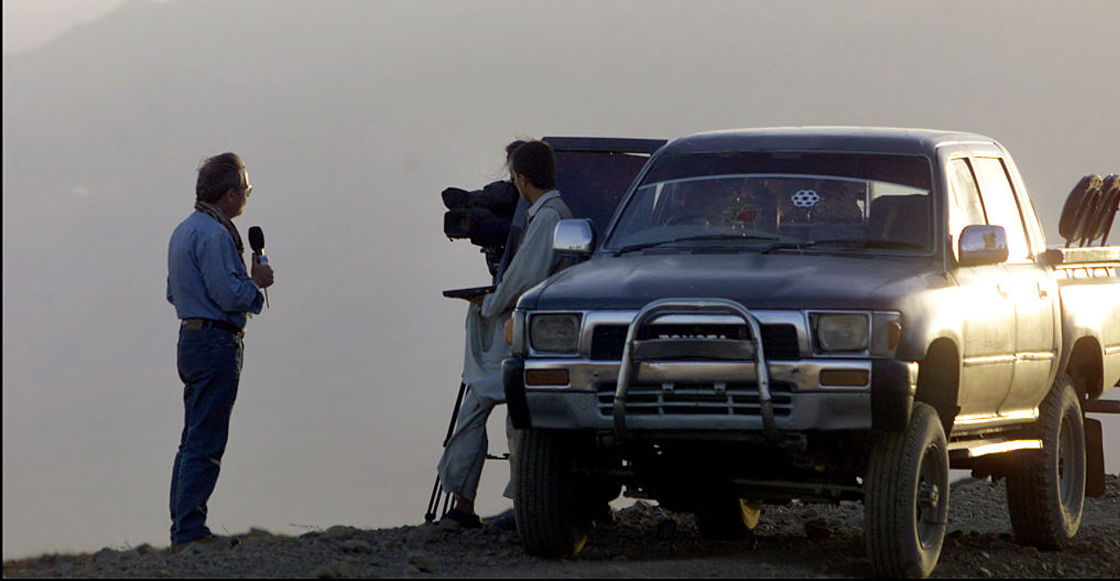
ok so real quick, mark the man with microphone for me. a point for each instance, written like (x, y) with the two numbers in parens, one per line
(212, 293)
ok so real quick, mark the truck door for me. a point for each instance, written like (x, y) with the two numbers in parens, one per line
(988, 327)
(1028, 285)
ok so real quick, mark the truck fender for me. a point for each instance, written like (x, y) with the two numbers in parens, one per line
(513, 381)
(939, 380)
(892, 395)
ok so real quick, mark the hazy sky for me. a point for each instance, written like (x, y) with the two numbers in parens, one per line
(352, 117)
(31, 23)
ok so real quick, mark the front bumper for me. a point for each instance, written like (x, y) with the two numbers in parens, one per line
(723, 396)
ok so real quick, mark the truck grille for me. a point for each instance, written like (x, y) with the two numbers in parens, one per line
(738, 399)
(778, 341)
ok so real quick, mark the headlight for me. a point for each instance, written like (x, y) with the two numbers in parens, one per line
(554, 333)
(837, 332)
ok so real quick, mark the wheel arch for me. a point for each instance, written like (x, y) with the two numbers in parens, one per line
(939, 380)
(1085, 368)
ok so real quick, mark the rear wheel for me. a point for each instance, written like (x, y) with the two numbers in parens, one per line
(547, 501)
(727, 518)
(906, 497)
(1046, 488)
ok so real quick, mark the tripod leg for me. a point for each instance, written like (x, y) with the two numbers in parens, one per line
(455, 412)
(446, 504)
(433, 502)
(437, 488)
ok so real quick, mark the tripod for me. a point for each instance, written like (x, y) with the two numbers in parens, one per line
(439, 495)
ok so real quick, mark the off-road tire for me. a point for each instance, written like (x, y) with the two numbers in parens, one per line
(727, 518)
(1074, 210)
(906, 497)
(1046, 488)
(546, 502)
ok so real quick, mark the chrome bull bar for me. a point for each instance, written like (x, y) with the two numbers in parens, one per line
(635, 351)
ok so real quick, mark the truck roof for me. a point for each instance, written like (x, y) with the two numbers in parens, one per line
(864, 139)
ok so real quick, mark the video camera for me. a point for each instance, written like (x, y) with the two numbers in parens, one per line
(483, 216)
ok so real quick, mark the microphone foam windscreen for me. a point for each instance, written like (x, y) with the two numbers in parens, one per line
(256, 238)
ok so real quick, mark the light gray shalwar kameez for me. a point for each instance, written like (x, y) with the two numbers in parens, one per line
(460, 467)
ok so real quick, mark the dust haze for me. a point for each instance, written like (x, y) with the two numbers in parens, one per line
(352, 116)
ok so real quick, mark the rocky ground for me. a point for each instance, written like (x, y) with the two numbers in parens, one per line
(647, 541)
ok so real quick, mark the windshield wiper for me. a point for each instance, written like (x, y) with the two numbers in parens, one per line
(857, 242)
(645, 245)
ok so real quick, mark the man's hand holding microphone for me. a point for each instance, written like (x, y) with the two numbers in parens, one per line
(260, 272)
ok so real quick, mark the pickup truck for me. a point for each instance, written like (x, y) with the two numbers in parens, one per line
(819, 314)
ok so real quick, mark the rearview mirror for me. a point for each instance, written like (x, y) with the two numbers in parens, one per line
(575, 237)
(982, 244)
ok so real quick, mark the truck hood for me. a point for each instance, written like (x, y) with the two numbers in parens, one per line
(781, 280)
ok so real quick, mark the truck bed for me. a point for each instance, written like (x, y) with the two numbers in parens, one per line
(1089, 284)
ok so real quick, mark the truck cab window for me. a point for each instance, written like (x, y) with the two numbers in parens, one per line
(966, 209)
(1001, 207)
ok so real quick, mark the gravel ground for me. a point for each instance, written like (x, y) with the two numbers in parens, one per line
(791, 541)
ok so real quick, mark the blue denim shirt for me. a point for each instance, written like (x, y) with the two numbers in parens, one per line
(205, 276)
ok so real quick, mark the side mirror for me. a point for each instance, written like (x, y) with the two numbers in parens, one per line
(982, 245)
(575, 237)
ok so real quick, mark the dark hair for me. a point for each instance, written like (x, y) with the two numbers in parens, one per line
(218, 175)
(535, 161)
(513, 145)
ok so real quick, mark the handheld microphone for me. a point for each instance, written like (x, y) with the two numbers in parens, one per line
(256, 242)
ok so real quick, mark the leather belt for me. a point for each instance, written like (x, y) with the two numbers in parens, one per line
(200, 324)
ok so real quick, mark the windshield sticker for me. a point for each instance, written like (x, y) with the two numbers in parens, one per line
(805, 198)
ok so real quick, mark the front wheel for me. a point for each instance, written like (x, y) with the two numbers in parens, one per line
(906, 497)
(1046, 488)
(547, 501)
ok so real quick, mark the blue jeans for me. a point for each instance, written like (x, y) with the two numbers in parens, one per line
(209, 362)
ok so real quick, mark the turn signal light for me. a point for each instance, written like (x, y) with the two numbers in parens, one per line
(845, 377)
(547, 377)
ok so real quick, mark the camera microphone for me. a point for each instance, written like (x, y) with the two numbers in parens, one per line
(256, 242)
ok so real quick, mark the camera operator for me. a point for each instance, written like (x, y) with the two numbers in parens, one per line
(533, 172)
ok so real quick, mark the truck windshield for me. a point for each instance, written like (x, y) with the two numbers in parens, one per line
(852, 202)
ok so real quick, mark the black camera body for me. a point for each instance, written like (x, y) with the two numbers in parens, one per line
(483, 216)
